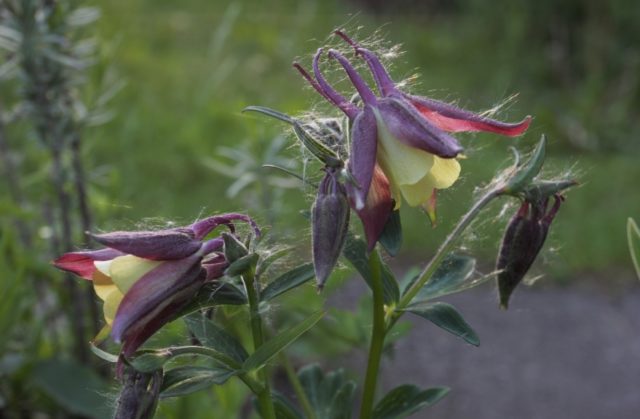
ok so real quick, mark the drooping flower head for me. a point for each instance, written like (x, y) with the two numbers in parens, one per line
(145, 277)
(523, 239)
(398, 141)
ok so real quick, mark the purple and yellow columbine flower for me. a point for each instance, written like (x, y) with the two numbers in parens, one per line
(145, 277)
(406, 137)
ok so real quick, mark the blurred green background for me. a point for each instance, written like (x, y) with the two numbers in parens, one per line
(192, 66)
(189, 68)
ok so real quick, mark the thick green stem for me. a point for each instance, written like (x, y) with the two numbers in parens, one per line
(377, 338)
(443, 251)
(297, 387)
(264, 396)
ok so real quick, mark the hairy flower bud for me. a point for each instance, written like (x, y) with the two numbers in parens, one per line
(522, 242)
(139, 395)
(330, 222)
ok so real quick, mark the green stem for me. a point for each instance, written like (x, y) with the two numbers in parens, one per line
(297, 387)
(445, 248)
(377, 338)
(264, 396)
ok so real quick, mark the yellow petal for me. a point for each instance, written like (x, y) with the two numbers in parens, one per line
(111, 304)
(444, 172)
(418, 193)
(127, 270)
(403, 165)
(102, 284)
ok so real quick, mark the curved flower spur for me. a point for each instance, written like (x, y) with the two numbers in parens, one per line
(146, 277)
(404, 136)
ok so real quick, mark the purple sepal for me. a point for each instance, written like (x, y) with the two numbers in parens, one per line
(362, 161)
(175, 243)
(156, 289)
(81, 263)
(453, 119)
(406, 124)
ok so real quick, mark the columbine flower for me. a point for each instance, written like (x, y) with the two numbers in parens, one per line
(146, 277)
(523, 240)
(405, 136)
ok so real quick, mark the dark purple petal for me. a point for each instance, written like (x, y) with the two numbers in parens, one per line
(453, 119)
(148, 325)
(215, 266)
(406, 124)
(81, 263)
(364, 145)
(377, 209)
(154, 291)
(203, 227)
(176, 243)
(367, 96)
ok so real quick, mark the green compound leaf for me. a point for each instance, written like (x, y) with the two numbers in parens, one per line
(276, 344)
(213, 336)
(355, 250)
(446, 317)
(406, 399)
(288, 281)
(181, 381)
(331, 395)
(152, 360)
(76, 388)
(455, 274)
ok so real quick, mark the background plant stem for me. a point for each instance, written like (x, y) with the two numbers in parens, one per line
(377, 338)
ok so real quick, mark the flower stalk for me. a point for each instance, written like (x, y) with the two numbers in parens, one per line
(264, 396)
(378, 334)
(446, 247)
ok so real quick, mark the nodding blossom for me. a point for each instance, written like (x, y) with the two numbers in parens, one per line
(144, 278)
(400, 143)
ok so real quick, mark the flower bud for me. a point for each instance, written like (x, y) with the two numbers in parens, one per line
(330, 222)
(139, 395)
(521, 244)
(234, 249)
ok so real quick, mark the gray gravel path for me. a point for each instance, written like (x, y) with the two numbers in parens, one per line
(561, 353)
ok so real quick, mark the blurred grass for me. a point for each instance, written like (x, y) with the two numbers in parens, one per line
(192, 66)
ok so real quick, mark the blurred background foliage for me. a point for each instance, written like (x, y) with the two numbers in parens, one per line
(167, 83)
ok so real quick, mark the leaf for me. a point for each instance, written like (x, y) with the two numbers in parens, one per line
(215, 294)
(273, 346)
(104, 355)
(78, 389)
(391, 237)
(213, 336)
(270, 112)
(283, 408)
(330, 395)
(152, 360)
(524, 174)
(446, 317)
(355, 250)
(453, 275)
(406, 399)
(181, 381)
(266, 260)
(633, 236)
(288, 281)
